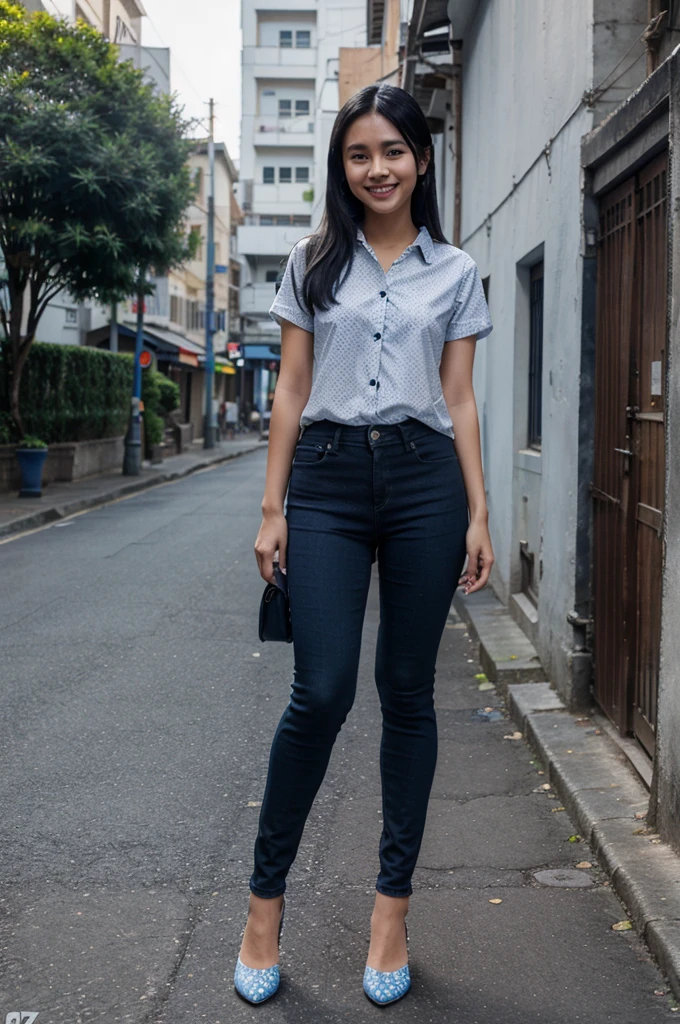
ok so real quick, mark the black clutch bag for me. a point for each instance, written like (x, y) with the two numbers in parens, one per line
(275, 609)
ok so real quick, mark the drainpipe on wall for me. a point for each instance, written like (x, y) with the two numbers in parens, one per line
(457, 107)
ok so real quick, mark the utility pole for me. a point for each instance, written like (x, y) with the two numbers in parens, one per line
(209, 428)
(113, 331)
(132, 459)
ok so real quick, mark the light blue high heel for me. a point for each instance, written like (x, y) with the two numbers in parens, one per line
(385, 987)
(254, 985)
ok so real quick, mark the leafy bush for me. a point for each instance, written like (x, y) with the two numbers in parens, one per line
(160, 396)
(28, 441)
(68, 393)
(169, 395)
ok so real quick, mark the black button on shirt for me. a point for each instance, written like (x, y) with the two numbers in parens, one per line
(383, 294)
(377, 336)
(372, 383)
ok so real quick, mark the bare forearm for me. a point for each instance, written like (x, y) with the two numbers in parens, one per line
(468, 449)
(284, 428)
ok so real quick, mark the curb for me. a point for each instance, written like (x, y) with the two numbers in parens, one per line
(607, 801)
(597, 786)
(68, 508)
(506, 654)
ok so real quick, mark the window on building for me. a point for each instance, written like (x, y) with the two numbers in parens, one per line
(285, 175)
(302, 220)
(71, 316)
(302, 108)
(285, 108)
(271, 276)
(535, 355)
(286, 38)
(302, 173)
(174, 309)
(303, 38)
(195, 318)
(267, 175)
(266, 220)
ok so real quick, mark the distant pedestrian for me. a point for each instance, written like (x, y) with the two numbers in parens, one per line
(230, 419)
(362, 443)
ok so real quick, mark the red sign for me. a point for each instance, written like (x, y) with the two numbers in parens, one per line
(145, 358)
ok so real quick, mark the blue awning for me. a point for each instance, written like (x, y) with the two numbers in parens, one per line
(262, 352)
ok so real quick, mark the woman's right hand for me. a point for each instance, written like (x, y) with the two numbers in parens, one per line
(272, 537)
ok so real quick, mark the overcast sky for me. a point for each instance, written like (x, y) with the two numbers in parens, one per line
(204, 37)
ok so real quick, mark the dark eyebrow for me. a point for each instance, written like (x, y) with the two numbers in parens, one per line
(388, 142)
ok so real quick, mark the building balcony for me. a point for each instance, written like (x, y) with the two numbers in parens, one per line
(257, 298)
(256, 240)
(281, 198)
(281, 61)
(283, 131)
(291, 5)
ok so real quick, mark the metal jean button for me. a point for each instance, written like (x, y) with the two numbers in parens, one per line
(375, 434)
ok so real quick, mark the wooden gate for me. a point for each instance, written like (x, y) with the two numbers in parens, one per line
(628, 475)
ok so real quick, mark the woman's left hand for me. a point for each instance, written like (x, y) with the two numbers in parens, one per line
(479, 558)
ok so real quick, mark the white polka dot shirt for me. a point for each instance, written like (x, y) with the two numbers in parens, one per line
(377, 353)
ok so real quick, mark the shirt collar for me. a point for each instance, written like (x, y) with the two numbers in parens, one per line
(423, 241)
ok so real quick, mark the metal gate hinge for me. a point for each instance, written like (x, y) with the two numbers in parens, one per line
(574, 619)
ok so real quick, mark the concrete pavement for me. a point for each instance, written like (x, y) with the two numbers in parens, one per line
(602, 779)
(138, 710)
(60, 500)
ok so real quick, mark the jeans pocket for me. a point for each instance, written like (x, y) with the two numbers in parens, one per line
(435, 447)
(310, 454)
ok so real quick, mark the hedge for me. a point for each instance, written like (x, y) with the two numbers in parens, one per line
(69, 393)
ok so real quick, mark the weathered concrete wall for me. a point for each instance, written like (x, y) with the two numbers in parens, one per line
(65, 462)
(525, 72)
(617, 27)
(667, 786)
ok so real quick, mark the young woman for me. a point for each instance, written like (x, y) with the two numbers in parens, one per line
(366, 403)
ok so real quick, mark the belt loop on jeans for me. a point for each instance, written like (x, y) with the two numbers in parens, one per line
(302, 430)
(336, 437)
(403, 436)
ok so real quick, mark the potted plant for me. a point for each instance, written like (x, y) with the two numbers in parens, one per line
(31, 453)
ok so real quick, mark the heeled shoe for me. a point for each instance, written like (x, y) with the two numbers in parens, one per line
(258, 985)
(385, 987)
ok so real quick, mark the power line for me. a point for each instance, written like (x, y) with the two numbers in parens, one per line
(176, 61)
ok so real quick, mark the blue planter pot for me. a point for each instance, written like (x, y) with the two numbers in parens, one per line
(31, 462)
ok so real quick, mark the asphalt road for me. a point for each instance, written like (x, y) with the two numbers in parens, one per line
(138, 707)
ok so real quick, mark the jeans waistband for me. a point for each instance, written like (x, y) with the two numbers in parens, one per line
(330, 433)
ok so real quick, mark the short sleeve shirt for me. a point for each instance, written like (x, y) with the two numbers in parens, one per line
(377, 352)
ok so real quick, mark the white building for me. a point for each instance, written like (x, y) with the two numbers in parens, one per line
(119, 20)
(290, 96)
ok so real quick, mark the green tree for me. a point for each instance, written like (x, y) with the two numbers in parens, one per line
(94, 181)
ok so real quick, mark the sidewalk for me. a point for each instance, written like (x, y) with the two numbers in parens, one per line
(64, 499)
(597, 784)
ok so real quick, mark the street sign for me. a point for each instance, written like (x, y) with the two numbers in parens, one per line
(145, 358)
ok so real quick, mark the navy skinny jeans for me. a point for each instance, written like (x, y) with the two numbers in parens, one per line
(396, 491)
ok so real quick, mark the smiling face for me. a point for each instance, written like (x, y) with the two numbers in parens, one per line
(379, 166)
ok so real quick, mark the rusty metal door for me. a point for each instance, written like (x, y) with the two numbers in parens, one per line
(628, 475)
(646, 418)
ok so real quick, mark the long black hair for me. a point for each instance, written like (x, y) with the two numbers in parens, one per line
(330, 249)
